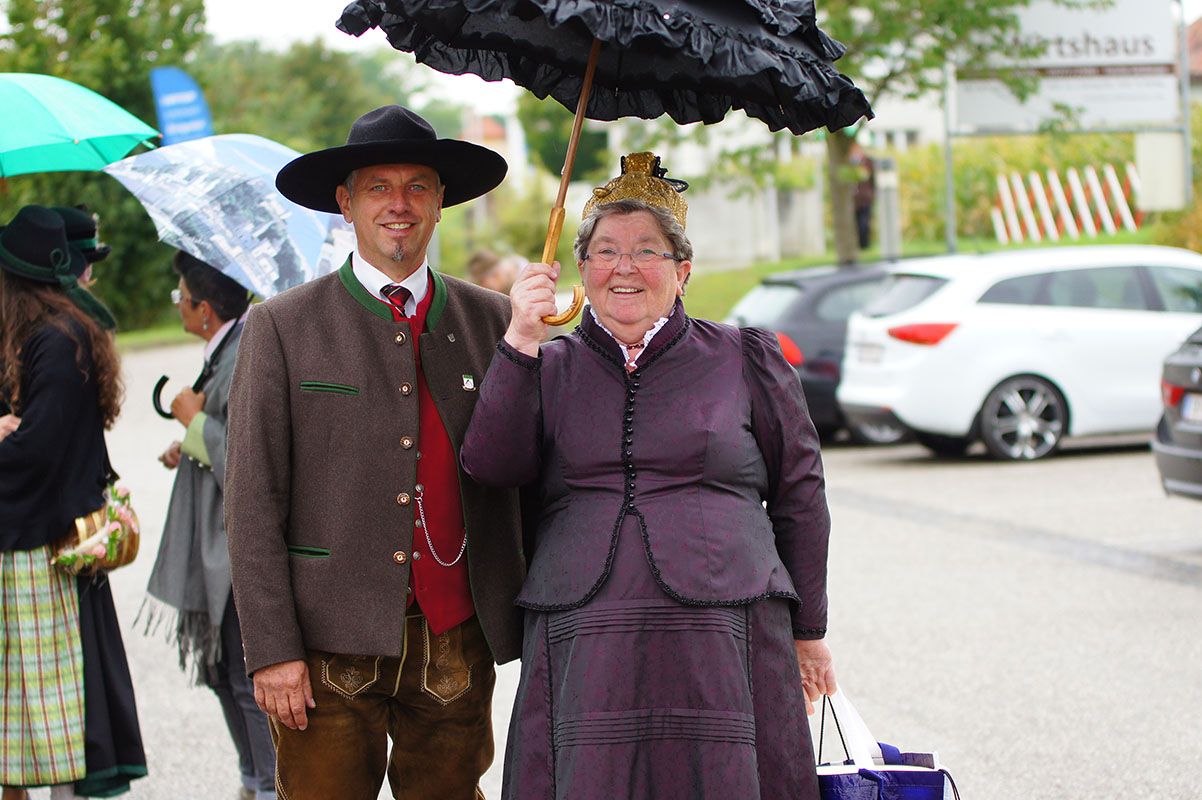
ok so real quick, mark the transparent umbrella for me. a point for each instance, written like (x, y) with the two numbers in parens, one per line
(215, 198)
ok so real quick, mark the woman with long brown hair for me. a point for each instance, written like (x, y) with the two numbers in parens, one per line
(60, 389)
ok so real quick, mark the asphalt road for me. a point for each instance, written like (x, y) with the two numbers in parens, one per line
(1036, 624)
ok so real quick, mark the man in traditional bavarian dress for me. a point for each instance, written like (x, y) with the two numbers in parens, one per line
(374, 580)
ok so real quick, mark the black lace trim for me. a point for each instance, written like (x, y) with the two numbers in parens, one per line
(517, 358)
(651, 359)
(609, 562)
(810, 633)
(689, 601)
(597, 348)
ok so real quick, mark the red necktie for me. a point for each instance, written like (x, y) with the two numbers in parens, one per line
(397, 296)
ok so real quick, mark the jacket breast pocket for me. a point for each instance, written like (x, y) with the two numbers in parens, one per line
(327, 387)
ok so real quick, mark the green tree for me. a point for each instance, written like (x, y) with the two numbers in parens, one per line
(899, 48)
(304, 97)
(548, 129)
(108, 46)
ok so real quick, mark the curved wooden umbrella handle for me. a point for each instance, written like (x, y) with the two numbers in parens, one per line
(571, 311)
(555, 226)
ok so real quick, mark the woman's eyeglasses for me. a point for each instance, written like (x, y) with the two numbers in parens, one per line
(609, 257)
(177, 297)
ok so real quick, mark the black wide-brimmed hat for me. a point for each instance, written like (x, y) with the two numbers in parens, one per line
(34, 246)
(391, 135)
(81, 232)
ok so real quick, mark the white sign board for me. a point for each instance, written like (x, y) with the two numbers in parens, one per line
(1112, 67)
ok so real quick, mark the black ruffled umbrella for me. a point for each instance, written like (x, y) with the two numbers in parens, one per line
(693, 60)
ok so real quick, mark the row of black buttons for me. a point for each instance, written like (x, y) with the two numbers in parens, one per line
(632, 388)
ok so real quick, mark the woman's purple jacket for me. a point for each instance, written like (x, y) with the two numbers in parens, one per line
(708, 444)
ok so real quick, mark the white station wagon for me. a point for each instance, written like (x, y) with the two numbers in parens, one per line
(1022, 348)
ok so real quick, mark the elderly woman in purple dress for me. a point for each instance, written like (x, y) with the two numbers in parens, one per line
(676, 594)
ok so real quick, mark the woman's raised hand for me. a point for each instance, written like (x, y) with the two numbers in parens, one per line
(532, 298)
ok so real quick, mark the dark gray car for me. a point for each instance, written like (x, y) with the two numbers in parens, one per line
(1178, 442)
(808, 310)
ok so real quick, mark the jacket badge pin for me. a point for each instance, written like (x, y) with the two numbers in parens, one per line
(469, 383)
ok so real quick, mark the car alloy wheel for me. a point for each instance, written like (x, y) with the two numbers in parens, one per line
(1023, 419)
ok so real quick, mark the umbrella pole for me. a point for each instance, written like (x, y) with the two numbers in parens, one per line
(555, 225)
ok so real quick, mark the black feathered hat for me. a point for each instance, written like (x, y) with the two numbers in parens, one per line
(81, 232)
(391, 135)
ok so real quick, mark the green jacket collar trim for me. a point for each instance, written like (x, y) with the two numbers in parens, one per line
(438, 303)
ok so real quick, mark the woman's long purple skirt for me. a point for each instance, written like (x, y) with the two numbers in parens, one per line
(636, 696)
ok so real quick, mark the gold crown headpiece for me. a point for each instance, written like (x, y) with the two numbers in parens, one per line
(643, 179)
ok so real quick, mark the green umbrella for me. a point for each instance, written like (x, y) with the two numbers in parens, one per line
(53, 125)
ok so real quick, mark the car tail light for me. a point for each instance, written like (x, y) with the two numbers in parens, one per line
(792, 352)
(824, 367)
(923, 333)
(1170, 394)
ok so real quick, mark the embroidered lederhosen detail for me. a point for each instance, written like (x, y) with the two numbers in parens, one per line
(349, 675)
(446, 675)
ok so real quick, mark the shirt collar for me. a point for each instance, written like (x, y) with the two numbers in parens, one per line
(373, 281)
(219, 337)
(647, 337)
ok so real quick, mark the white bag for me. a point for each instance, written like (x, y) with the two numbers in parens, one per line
(867, 764)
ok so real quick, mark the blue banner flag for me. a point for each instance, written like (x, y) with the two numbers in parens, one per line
(183, 112)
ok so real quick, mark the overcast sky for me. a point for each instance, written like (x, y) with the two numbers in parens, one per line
(277, 23)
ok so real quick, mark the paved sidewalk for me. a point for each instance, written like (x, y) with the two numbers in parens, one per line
(1037, 624)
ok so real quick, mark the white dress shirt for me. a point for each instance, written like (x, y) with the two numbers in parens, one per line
(373, 281)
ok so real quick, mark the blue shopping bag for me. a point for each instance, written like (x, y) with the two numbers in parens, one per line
(873, 770)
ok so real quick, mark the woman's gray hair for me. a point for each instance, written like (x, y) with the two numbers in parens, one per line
(682, 248)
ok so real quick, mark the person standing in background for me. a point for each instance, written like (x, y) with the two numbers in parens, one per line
(191, 574)
(485, 268)
(864, 195)
(60, 389)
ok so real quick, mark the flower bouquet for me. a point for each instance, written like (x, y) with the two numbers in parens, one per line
(105, 539)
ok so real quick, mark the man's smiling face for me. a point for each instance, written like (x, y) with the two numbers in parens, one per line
(394, 208)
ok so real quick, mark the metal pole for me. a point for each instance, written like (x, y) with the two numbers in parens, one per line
(1183, 79)
(948, 165)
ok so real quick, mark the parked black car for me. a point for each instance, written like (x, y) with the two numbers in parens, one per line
(1178, 442)
(808, 310)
